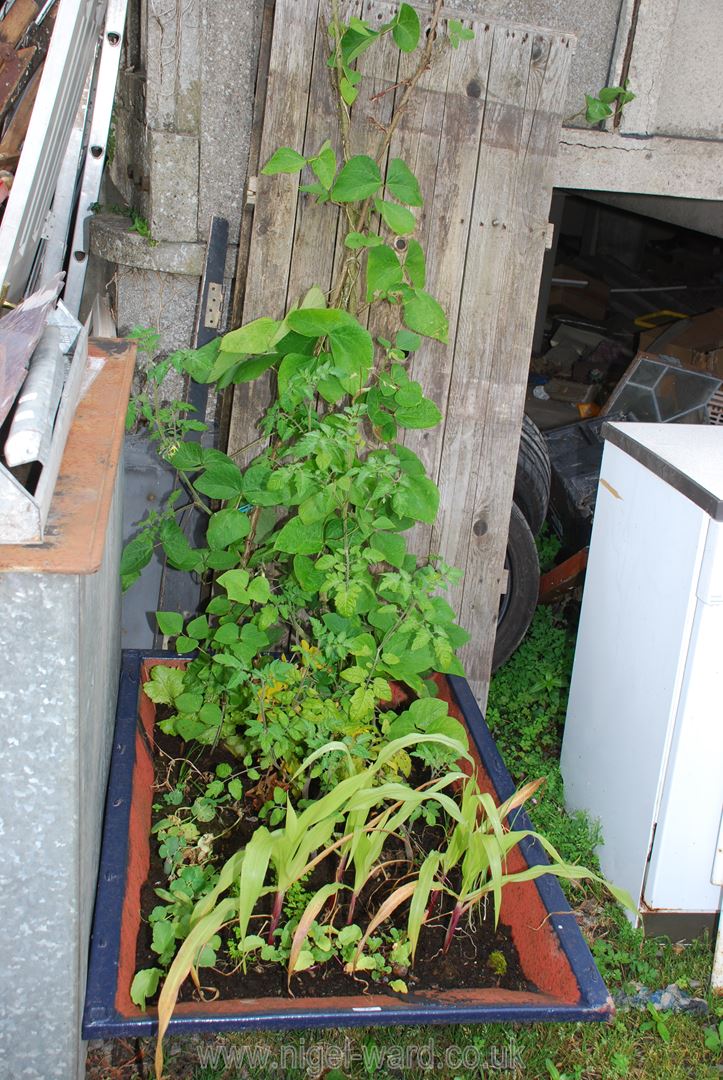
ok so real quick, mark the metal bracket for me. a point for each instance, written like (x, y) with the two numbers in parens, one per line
(214, 306)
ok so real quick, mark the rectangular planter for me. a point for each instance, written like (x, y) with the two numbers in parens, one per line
(552, 951)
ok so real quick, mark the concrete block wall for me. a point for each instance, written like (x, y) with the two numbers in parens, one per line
(182, 121)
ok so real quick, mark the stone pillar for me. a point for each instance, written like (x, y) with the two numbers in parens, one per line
(182, 128)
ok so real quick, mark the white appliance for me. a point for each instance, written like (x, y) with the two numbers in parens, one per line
(643, 745)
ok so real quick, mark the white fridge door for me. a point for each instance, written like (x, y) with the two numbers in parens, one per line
(681, 863)
(637, 613)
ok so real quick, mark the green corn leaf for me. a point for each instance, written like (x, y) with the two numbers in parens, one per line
(387, 908)
(418, 906)
(301, 933)
(184, 961)
(252, 876)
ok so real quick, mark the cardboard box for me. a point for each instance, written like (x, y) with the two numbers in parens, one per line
(696, 342)
(588, 300)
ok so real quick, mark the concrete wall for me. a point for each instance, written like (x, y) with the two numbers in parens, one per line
(182, 127)
(692, 106)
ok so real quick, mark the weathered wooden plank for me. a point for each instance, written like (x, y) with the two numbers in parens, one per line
(17, 21)
(316, 227)
(372, 109)
(249, 194)
(14, 136)
(14, 74)
(275, 215)
(506, 378)
(416, 141)
(481, 297)
(447, 224)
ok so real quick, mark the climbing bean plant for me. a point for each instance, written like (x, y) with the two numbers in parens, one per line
(307, 545)
(311, 667)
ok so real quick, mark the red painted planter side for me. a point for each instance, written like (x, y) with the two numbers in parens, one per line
(543, 960)
(523, 912)
(139, 851)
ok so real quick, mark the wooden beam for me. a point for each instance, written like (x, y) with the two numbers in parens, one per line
(14, 137)
(17, 21)
(656, 165)
(269, 261)
(13, 74)
(514, 188)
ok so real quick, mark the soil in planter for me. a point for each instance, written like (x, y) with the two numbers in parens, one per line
(465, 965)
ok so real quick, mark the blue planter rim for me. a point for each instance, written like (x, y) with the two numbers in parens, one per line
(101, 1018)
